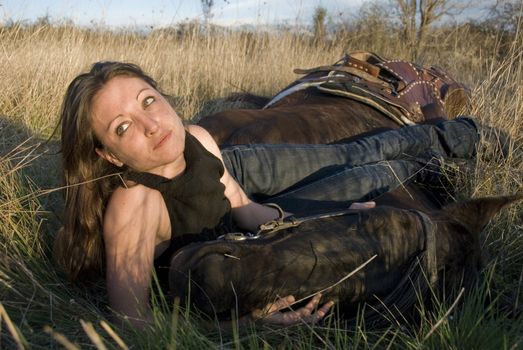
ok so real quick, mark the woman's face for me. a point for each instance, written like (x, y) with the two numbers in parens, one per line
(138, 127)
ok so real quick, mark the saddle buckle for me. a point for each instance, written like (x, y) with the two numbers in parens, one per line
(238, 236)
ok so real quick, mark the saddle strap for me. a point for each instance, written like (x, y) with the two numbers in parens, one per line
(415, 93)
(281, 223)
(362, 73)
(292, 221)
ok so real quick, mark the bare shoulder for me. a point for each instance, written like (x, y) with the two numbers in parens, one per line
(134, 197)
(133, 207)
(205, 139)
(199, 132)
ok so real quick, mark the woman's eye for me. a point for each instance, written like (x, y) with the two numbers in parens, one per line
(120, 129)
(148, 101)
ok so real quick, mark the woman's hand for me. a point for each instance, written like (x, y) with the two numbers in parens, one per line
(310, 313)
(363, 205)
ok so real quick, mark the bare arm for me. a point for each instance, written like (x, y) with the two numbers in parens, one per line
(131, 224)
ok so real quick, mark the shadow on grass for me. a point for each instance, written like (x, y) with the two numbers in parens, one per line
(38, 162)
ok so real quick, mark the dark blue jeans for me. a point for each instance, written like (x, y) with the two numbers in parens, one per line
(298, 176)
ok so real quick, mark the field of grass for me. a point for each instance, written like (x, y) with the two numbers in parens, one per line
(39, 308)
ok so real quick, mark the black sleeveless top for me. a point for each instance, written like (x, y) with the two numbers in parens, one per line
(196, 202)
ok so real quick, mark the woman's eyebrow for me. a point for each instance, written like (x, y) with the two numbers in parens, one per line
(142, 90)
(112, 121)
(120, 115)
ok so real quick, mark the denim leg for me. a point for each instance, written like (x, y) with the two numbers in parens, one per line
(347, 184)
(456, 138)
(271, 169)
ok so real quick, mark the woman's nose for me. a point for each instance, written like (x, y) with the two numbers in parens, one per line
(150, 125)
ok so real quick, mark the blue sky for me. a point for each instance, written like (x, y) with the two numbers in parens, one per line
(116, 13)
(158, 13)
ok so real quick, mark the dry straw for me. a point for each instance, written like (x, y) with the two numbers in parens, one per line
(36, 64)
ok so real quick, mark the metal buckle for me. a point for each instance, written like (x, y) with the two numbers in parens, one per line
(238, 236)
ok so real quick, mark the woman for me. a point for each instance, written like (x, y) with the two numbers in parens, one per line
(141, 185)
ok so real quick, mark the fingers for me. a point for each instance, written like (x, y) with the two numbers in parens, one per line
(363, 205)
(312, 304)
(272, 308)
(309, 313)
(279, 304)
(322, 311)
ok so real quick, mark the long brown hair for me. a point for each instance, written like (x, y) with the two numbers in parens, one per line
(89, 179)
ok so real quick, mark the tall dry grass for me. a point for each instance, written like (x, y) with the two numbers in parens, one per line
(37, 63)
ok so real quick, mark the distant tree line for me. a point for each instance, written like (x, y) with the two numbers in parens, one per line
(408, 21)
(411, 20)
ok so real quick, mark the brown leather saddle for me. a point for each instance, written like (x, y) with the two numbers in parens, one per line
(406, 92)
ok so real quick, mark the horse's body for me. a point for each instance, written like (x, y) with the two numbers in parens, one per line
(307, 116)
(412, 237)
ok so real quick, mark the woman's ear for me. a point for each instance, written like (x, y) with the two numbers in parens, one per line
(108, 156)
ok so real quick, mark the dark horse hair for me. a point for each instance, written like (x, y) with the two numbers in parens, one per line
(89, 179)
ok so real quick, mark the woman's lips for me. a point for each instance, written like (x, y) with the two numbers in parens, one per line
(164, 138)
